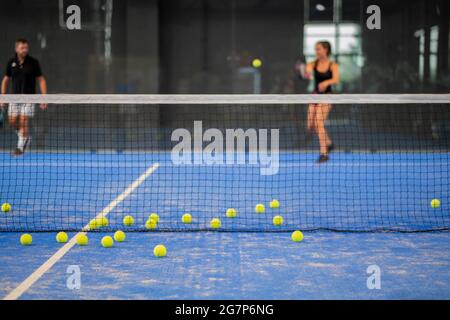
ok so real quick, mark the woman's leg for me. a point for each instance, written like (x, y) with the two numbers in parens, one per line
(311, 119)
(321, 116)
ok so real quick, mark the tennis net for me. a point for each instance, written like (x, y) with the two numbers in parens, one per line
(93, 156)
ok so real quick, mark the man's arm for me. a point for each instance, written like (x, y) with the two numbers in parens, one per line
(42, 84)
(5, 81)
(43, 89)
(4, 89)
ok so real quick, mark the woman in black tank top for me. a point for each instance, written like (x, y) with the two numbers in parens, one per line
(326, 74)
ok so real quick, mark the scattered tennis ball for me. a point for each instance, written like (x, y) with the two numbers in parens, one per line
(259, 208)
(186, 218)
(26, 239)
(215, 223)
(119, 236)
(98, 222)
(435, 203)
(94, 224)
(160, 251)
(62, 237)
(297, 236)
(278, 220)
(231, 213)
(82, 240)
(151, 224)
(154, 216)
(103, 221)
(256, 63)
(6, 207)
(274, 204)
(128, 221)
(107, 242)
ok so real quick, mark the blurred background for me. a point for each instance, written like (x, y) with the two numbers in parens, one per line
(207, 46)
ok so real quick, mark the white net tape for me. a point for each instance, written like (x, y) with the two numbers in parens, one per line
(231, 99)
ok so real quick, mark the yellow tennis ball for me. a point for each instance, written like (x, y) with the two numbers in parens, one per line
(186, 218)
(26, 239)
(119, 236)
(98, 222)
(297, 236)
(94, 224)
(82, 240)
(154, 216)
(215, 223)
(256, 63)
(6, 207)
(259, 208)
(160, 251)
(278, 220)
(435, 203)
(107, 242)
(103, 221)
(274, 204)
(62, 237)
(128, 221)
(151, 224)
(231, 213)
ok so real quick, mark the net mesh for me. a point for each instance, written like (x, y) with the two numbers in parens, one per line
(89, 159)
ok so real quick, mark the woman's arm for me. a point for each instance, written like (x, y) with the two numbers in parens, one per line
(309, 70)
(334, 80)
(335, 72)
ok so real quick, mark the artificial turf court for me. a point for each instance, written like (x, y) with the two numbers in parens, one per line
(64, 191)
(323, 124)
(213, 265)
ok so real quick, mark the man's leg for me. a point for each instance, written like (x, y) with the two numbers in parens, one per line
(26, 112)
(13, 116)
(14, 122)
(14, 119)
(23, 133)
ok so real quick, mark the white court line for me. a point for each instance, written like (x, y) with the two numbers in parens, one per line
(47, 265)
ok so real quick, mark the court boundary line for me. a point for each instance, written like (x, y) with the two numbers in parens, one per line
(47, 265)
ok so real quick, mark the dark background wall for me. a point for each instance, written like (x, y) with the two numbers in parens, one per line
(392, 53)
(200, 46)
(206, 46)
(74, 61)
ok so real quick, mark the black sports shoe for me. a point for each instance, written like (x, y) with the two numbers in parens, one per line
(323, 158)
(17, 152)
(330, 147)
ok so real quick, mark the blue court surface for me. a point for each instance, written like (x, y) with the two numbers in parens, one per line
(353, 192)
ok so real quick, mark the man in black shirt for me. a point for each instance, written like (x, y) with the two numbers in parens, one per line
(24, 72)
